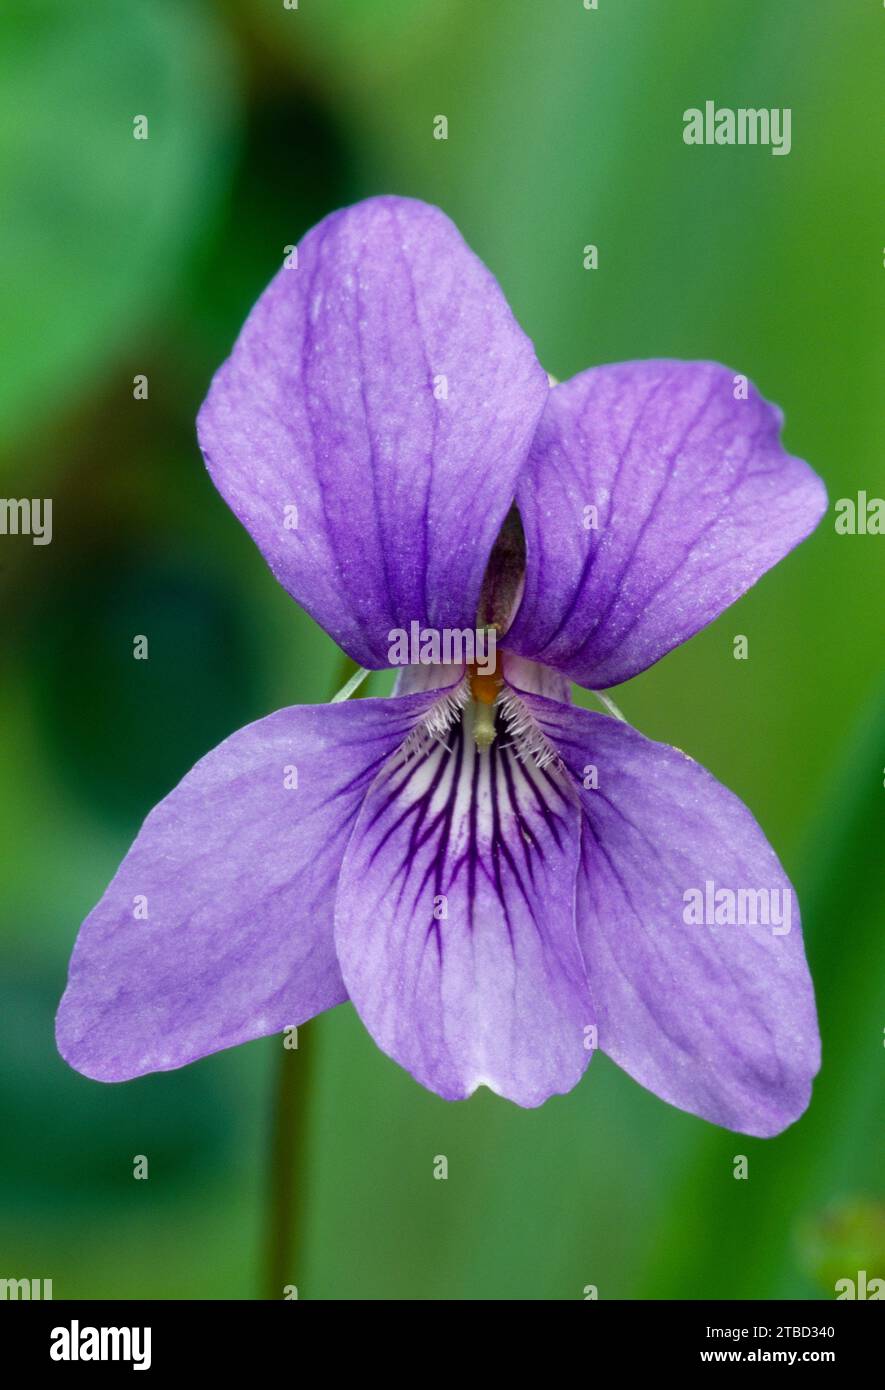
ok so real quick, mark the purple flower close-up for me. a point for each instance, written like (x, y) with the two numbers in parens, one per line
(494, 877)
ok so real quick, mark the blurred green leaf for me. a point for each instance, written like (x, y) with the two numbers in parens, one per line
(127, 729)
(68, 1139)
(96, 224)
(847, 1237)
(366, 40)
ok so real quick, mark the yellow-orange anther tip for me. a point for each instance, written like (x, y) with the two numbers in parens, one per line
(485, 689)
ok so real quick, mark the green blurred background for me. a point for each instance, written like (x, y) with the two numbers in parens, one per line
(122, 257)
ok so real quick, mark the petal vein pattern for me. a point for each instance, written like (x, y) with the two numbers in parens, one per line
(455, 920)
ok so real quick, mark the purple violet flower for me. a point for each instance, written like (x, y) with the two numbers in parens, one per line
(496, 879)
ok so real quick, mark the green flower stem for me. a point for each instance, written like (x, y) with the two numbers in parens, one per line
(287, 1168)
(286, 1193)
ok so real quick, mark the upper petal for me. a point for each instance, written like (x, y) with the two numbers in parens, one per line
(455, 921)
(217, 927)
(717, 1019)
(694, 497)
(384, 390)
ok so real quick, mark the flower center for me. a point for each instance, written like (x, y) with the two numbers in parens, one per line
(498, 601)
(485, 688)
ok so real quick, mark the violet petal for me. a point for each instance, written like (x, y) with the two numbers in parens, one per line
(384, 391)
(719, 1020)
(493, 992)
(695, 499)
(236, 872)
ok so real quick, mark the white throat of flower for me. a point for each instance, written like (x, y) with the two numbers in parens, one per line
(480, 719)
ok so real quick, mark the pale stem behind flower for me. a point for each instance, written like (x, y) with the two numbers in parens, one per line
(608, 703)
(350, 686)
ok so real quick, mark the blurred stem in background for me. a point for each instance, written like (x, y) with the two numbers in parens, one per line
(286, 1188)
(286, 1191)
